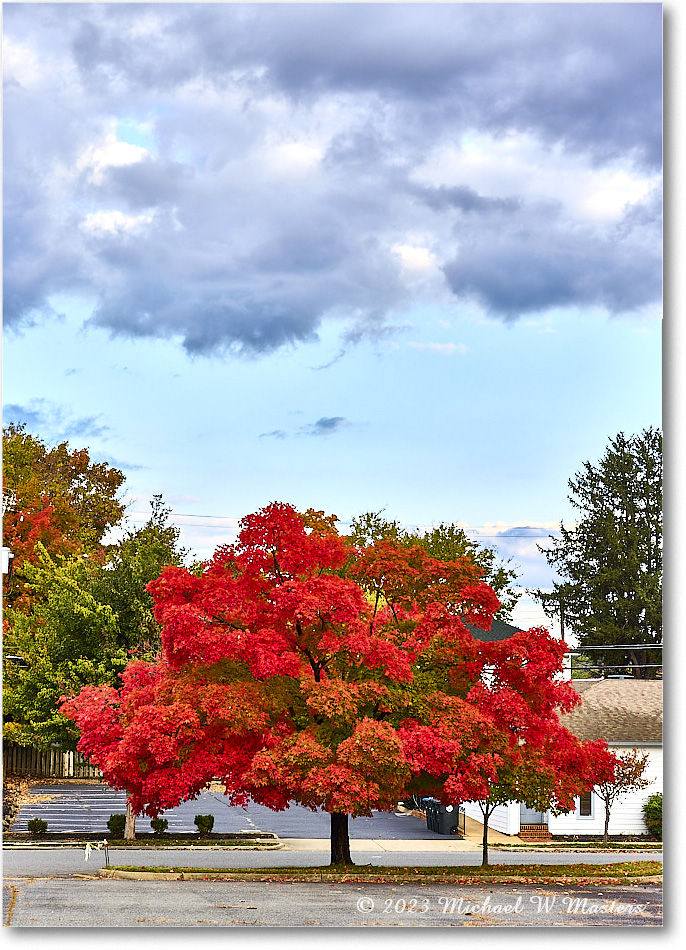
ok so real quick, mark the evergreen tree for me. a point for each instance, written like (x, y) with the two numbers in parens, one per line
(610, 562)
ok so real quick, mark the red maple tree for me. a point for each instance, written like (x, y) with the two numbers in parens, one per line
(298, 668)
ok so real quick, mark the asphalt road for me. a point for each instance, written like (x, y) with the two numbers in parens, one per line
(60, 861)
(107, 903)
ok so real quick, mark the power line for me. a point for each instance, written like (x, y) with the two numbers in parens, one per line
(626, 646)
(624, 666)
(182, 514)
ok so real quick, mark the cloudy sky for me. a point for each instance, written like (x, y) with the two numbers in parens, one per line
(354, 257)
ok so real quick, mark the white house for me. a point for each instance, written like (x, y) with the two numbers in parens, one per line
(627, 714)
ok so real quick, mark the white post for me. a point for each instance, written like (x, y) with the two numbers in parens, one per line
(6, 560)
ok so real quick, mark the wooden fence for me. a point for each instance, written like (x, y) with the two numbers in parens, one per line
(46, 763)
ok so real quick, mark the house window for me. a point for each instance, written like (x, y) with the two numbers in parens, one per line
(585, 808)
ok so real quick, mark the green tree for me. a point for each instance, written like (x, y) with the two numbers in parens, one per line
(652, 815)
(129, 568)
(447, 542)
(89, 614)
(66, 640)
(610, 561)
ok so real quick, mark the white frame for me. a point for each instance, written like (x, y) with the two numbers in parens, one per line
(581, 817)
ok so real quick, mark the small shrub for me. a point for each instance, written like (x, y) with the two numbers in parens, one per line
(159, 825)
(117, 824)
(204, 824)
(652, 815)
(37, 826)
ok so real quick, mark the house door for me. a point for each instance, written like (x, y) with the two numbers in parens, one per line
(529, 816)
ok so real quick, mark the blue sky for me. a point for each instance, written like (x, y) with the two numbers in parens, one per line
(400, 256)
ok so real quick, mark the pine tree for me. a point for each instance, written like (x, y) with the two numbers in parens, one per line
(610, 562)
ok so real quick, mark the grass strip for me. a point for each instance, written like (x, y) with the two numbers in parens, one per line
(260, 841)
(541, 872)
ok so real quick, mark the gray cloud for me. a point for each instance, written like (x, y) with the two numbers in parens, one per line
(326, 426)
(145, 184)
(465, 199)
(223, 236)
(537, 260)
(588, 75)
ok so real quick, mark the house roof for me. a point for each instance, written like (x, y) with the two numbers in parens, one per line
(617, 710)
(499, 631)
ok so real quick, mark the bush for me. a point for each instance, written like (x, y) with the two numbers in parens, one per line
(37, 826)
(159, 825)
(117, 824)
(652, 814)
(204, 823)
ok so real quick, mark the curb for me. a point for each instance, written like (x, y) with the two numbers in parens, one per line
(79, 846)
(362, 878)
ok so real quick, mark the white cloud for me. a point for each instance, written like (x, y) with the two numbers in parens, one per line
(417, 260)
(23, 65)
(116, 222)
(96, 159)
(292, 159)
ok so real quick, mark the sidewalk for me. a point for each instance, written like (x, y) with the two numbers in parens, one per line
(474, 831)
(384, 845)
(473, 841)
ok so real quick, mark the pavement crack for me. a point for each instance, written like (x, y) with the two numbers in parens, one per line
(14, 890)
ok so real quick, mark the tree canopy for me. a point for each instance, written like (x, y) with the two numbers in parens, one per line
(299, 667)
(53, 498)
(446, 542)
(610, 561)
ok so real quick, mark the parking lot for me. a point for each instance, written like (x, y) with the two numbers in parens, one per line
(85, 808)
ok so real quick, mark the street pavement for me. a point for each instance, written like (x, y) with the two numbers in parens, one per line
(105, 903)
(27, 861)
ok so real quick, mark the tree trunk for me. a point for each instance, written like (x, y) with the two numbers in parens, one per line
(130, 826)
(484, 853)
(340, 842)
(607, 820)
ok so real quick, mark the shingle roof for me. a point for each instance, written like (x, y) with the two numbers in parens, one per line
(499, 631)
(617, 711)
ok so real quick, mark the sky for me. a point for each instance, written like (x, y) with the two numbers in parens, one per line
(359, 257)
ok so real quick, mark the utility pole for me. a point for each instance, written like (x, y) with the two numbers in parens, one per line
(562, 620)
